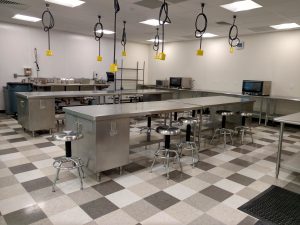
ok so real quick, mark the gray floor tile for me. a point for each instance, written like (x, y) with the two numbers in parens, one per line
(99, 207)
(206, 220)
(44, 145)
(204, 166)
(25, 216)
(37, 184)
(14, 140)
(108, 187)
(241, 179)
(161, 200)
(248, 221)
(201, 202)
(8, 151)
(177, 176)
(241, 162)
(22, 168)
(216, 193)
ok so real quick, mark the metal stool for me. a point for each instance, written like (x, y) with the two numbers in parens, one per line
(189, 145)
(243, 128)
(223, 131)
(147, 128)
(166, 153)
(68, 162)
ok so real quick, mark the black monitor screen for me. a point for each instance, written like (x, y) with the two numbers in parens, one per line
(175, 82)
(252, 86)
(110, 77)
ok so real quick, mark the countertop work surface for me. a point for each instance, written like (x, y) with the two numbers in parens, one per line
(290, 119)
(66, 94)
(212, 101)
(102, 112)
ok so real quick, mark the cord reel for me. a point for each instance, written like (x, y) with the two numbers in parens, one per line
(48, 17)
(199, 32)
(233, 38)
(98, 33)
(114, 66)
(156, 44)
(124, 39)
(163, 13)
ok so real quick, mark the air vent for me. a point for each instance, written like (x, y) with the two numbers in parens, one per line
(223, 23)
(13, 4)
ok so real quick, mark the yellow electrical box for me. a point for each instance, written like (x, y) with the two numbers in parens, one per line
(124, 53)
(99, 58)
(113, 68)
(200, 52)
(232, 50)
(49, 52)
(162, 56)
(156, 56)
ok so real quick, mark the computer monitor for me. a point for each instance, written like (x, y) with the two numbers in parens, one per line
(110, 77)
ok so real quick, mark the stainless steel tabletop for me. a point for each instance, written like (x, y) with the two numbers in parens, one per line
(103, 112)
(212, 101)
(289, 119)
(70, 94)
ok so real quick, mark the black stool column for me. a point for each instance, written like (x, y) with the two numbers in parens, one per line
(167, 141)
(149, 122)
(68, 146)
(175, 116)
(243, 121)
(223, 121)
(193, 113)
(188, 133)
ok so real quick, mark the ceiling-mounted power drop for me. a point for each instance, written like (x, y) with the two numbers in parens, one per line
(48, 27)
(164, 11)
(156, 44)
(233, 38)
(98, 33)
(114, 66)
(124, 39)
(200, 31)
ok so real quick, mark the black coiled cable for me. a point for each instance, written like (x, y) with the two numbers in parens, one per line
(48, 27)
(233, 38)
(200, 31)
(156, 41)
(98, 32)
(124, 36)
(164, 9)
(117, 9)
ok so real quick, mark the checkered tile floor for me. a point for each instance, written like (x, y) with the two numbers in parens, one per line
(210, 193)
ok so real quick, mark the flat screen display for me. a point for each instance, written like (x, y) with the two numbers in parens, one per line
(110, 77)
(175, 82)
(252, 86)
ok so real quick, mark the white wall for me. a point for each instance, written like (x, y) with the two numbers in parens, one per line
(271, 56)
(74, 55)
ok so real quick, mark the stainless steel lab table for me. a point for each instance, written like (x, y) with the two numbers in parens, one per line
(294, 163)
(36, 110)
(106, 127)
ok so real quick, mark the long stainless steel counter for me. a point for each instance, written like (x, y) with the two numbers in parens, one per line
(106, 127)
(36, 110)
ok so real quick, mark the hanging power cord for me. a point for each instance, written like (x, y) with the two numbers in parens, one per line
(98, 33)
(36, 63)
(114, 66)
(124, 39)
(156, 43)
(164, 11)
(48, 27)
(233, 38)
(199, 32)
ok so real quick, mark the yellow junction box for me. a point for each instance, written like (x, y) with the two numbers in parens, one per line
(200, 52)
(113, 68)
(49, 52)
(124, 53)
(99, 58)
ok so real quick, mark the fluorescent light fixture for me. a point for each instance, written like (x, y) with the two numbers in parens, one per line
(152, 40)
(151, 22)
(106, 31)
(241, 6)
(26, 18)
(285, 26)
(209, 35)
(68, 3)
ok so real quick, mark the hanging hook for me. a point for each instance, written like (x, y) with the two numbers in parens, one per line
(233, 38)
(98, 34)
(48, 27)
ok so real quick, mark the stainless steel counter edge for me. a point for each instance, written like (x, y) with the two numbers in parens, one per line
(289, 119)
(66, 94)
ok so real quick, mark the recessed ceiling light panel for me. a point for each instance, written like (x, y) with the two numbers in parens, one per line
(209, 35)
(285, 26)
(151, 22)
(26, 18)
(152, 40)
(241, 6)
(105, 31)
(68, 3)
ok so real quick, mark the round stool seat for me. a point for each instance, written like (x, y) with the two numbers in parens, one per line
(246, 114)
(166, 130)
(67, 136)
(224, 112)
(188, 120)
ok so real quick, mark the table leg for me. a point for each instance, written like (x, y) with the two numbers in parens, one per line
(279, 149)
(268, 106)
(199, 131)
(260, 110)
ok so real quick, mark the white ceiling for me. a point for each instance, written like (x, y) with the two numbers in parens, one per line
(182, 13)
